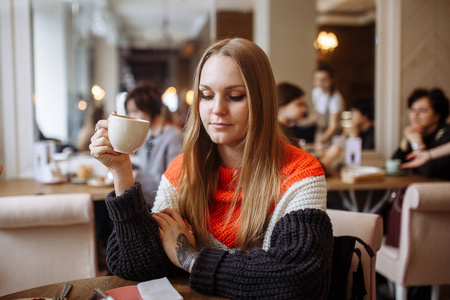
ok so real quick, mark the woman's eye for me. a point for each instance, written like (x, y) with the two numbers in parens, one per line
(237, 98)
(207, 97)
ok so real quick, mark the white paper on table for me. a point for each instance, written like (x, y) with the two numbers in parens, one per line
(158, 289)
(353, 151)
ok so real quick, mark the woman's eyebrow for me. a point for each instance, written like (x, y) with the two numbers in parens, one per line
(229, 87)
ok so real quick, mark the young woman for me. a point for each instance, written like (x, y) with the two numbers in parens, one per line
(291, 109)
(328, 103)
(163, 142)
(240, 210)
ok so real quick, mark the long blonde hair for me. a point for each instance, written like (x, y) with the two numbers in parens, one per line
(259, 175)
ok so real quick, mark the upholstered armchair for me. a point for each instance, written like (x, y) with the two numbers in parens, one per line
(369, 228)
(45, 239)
(423, 255)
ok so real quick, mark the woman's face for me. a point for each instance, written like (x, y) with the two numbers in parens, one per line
(134, 112)
(294, 110)
(223, 101)
(323, 80)
(422, 114)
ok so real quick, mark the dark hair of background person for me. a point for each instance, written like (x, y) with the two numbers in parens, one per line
(329, 70)
(288, 92)
(365, 105)
(147, 98)
(439, 102)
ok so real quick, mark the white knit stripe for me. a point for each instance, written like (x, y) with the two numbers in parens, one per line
(310, 192)
(165, 196)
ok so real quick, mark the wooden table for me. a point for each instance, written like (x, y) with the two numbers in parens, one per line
(20, 187)
(387, 183)
(334, 182)
(83, 289)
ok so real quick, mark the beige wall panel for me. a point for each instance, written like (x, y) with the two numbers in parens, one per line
(425, 47)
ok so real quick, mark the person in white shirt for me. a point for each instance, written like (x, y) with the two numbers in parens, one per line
(328, 104)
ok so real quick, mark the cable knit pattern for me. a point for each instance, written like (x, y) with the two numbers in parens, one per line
(295, 261)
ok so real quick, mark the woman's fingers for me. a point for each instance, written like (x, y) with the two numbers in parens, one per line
(170, 220)
(175, 214)
(411, 155)
(162, 220)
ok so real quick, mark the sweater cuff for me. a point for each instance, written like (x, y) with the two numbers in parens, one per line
(204, 270)
(128, 205)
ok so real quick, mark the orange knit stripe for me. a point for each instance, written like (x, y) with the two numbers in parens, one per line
(174, 169)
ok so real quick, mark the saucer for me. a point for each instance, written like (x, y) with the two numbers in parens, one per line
(77, 180)
(99, 182)
(397, 173)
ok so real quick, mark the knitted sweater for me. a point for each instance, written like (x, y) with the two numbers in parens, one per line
(294, 261)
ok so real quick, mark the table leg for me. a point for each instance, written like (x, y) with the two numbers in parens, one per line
(350, 202)
(368, 201)
(375, 209)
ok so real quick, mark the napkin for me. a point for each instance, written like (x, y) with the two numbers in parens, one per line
(158, 289)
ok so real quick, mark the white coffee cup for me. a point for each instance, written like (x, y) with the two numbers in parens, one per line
(127, 134)
(393, 166)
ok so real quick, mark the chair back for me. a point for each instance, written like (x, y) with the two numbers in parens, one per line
(369, 228)
(423, 256)
(45, 239)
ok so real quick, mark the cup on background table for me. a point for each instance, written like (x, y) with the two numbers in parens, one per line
(393, 166)
(127, 134)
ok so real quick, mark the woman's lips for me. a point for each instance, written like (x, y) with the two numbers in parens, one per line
(220, 125)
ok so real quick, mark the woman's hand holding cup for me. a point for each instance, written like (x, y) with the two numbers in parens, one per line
(102, 149)
(118, 163)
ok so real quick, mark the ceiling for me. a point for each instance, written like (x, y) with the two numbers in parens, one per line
(158, 23)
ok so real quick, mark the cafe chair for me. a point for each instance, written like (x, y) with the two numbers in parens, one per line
(369, 228)
(45, 239)
(423, 255)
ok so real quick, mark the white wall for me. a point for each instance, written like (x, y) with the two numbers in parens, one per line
(16, 122)
(50, 68)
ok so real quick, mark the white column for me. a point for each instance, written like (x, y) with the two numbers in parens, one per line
(106, 71)
(17, 120)
(387, 77)
(286, 30)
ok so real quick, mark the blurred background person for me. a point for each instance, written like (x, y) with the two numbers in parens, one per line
(362, 121)
(427, 129)
(94, 113)
(164, 139)
(328, 105)
(291, 109)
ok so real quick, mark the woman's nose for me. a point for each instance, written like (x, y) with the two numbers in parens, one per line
(219, 106)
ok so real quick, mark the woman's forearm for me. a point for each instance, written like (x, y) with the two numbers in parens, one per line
(123, 178)
(440, 151)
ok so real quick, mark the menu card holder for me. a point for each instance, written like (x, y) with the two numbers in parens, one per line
(44, 167)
